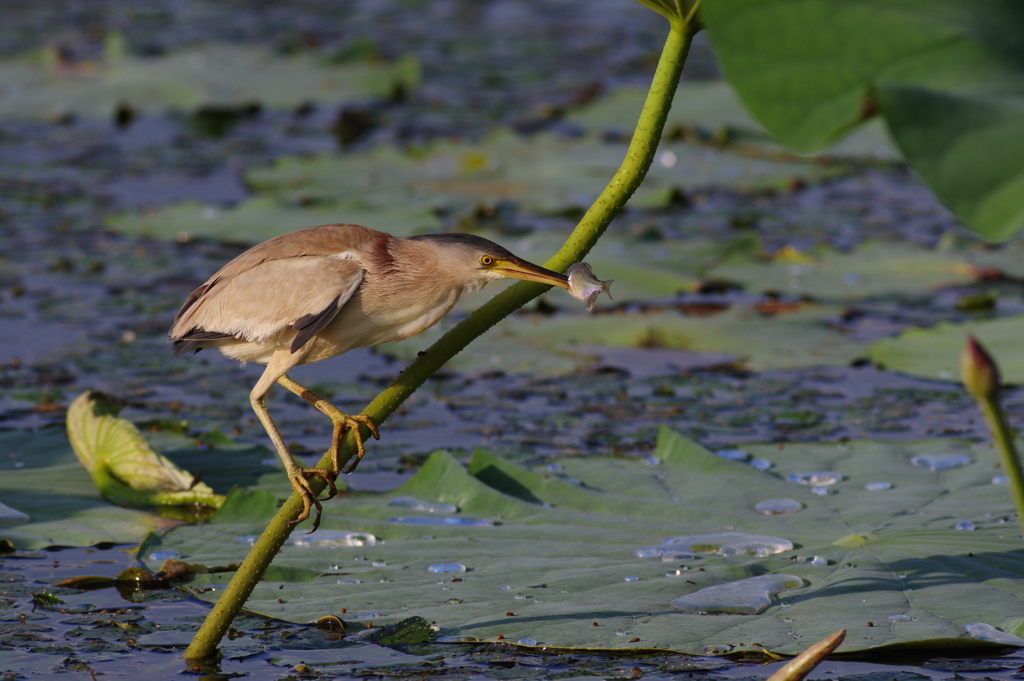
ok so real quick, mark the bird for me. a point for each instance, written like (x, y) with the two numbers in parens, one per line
(318, 292)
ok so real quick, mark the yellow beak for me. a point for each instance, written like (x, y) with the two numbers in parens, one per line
(521, 269)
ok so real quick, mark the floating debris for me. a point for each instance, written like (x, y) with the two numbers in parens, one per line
(777, 506)
(379, 563)
(964, 525)
(446, 568)
(940, 462)
(428, 520)
(733, 455)
(349, 581)
(877, 486)
(816, 478)
(167, 554)
(822, 491)
(761, 464)
(527, 642)
(900, 618)
(632, 579)
(731, 544)
(414, 504)
(749, 596)
(986, 632)
(332, 539)
(1000, 479)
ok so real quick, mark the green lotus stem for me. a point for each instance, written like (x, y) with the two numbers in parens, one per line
(1008, 455)
(980, 376)
(627, 178)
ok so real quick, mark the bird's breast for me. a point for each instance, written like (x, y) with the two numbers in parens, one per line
(366, 321)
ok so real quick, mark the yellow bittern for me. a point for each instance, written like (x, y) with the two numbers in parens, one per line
(316, 293)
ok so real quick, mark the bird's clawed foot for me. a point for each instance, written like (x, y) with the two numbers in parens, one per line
(345, 422)
(300, 483)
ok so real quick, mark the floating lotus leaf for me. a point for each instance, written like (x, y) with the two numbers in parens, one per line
(60, 498)
(545, 172)
(557, 556)
(262, 217)
(207, 75)
(935, 352)
(791, 339)
(873, 269)
(43, 479)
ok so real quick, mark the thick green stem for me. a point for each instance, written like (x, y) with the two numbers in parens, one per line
(630, 174)
(1003, 437)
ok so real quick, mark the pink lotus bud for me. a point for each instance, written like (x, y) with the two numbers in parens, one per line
(978, 370)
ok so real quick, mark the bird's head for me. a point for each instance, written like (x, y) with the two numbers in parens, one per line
(474, 261)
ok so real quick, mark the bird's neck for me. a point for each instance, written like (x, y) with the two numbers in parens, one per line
(411, 271)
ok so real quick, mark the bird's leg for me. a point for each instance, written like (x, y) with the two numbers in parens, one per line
(340, 420)
(296, 474)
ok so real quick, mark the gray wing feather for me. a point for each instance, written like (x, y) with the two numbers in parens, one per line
(304, 293)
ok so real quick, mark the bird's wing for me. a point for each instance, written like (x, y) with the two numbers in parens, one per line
(258, 302)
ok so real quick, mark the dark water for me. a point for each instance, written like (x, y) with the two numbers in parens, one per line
(81, 307)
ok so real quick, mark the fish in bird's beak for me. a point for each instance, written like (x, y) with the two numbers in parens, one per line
(521, 269)
(585, 286)
(580, 282)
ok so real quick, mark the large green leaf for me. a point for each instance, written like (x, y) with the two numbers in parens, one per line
(947, 75)
(213, 75)
(935, 352)
(554, 557)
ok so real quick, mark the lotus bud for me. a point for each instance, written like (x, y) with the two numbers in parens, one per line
(584, 286)
(978, 370)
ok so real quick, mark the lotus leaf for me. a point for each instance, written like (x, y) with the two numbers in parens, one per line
(873, 269)
(208, 75)
(790, 339)
(557, 556)
(545, 172)
(945, 75)
(935, 352)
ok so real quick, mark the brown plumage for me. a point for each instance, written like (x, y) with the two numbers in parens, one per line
(322, 291)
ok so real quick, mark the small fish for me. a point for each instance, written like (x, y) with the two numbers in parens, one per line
(584, 286)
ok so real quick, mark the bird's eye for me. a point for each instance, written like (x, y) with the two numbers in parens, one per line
(486, 261)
